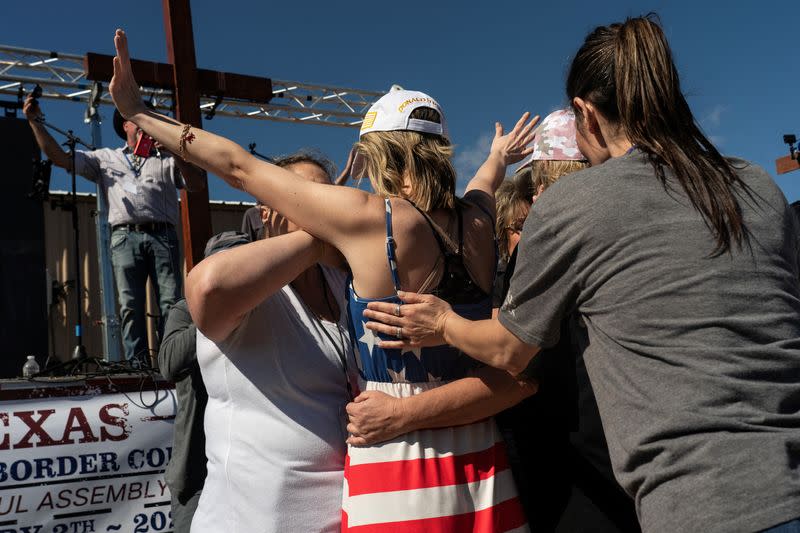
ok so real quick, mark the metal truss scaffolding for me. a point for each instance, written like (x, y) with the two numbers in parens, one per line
(62, 77)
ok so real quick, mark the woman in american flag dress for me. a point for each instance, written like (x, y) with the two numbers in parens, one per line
(413, 233)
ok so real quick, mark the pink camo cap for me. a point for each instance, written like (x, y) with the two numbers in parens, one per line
(555, 139)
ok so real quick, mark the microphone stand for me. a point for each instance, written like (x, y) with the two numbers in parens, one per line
(79, 356)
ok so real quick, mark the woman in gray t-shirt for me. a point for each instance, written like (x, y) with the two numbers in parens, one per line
(683, 266)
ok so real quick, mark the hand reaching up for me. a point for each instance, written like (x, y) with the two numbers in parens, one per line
(513, 146)
(506, 150)
(123, 88)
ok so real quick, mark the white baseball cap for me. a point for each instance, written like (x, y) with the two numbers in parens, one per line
(392, 112)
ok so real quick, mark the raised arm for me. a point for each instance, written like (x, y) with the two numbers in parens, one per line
(377, 417)
(335, 214)
(46, 142)
(224, 287)
(506, 150)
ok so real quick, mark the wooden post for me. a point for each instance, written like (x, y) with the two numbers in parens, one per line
(786, 164)
(195, 213)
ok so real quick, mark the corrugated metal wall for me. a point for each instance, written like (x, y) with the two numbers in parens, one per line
(60, 266)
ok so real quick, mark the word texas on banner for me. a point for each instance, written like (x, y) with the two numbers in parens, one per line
(87, 462)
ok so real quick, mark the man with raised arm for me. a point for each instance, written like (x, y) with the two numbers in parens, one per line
(142, 212)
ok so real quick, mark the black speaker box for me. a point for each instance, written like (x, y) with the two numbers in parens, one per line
(23, 291)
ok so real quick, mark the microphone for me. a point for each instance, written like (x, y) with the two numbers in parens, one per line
(36, 93)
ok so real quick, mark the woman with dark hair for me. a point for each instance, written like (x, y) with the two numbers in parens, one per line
(415, 233)
(555, 440)
(682, 266)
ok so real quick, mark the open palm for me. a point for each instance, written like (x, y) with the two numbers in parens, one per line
(513, 146)
(123, 87)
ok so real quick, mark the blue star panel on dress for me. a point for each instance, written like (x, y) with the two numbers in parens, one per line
(415, 365)
(437, 363)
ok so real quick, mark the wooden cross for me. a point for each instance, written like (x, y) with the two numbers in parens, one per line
(188, 82)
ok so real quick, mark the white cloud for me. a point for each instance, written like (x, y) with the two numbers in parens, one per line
(713, 118)
(469, 159)
(711, 121)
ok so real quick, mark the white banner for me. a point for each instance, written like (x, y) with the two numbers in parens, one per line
(88, 461)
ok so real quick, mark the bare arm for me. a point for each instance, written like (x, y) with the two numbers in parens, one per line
(332, 213)
(506, 150)
(46, 142)
(488, 341)
(377, 417)
(427, 321)
(224, 287)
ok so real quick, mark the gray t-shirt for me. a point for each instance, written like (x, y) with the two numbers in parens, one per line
(137, 191)
(695, 360)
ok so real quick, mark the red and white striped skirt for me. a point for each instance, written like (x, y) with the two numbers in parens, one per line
(454, 479)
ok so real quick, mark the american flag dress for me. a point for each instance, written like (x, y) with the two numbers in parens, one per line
(454, 479)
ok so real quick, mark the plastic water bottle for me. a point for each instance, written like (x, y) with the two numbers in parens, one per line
(30, 367)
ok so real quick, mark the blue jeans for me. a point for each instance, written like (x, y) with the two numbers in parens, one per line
(137, 255)
(793, 526)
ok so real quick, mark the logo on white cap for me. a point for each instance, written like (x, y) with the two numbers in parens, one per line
(392, 112)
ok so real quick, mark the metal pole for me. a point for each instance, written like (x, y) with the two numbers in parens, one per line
(110, 322)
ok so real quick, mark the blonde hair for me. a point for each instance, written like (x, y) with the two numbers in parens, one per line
(425, 158)
(546, 173)
(509, 201)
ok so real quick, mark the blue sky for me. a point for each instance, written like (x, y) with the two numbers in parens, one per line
(483, 61)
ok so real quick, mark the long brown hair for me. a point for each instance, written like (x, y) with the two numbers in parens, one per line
(626, 71)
